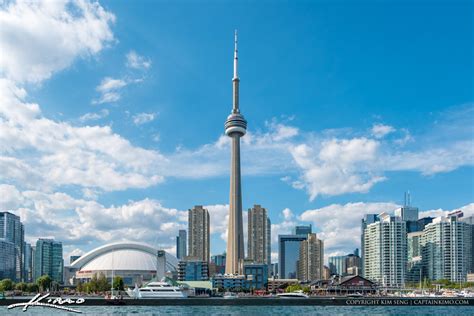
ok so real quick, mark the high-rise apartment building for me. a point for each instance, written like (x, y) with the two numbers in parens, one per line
(198, 233)
(311, 258)
(385, 251)
(366, 220)
(11, 246)
(446, 249)
(181, 250)
(49, 259)
(259, 235)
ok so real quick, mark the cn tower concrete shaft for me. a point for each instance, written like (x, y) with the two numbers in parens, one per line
(235, 127)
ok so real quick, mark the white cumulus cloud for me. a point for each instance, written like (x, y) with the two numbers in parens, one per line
(39, 38)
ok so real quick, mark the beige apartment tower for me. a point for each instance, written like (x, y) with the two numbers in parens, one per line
(235, 127)
(259, 235)
(198, 233)
(310, 263)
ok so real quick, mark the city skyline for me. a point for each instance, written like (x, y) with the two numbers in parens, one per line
(101, 142)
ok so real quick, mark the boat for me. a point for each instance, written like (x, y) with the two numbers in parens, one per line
(111, 298)
(230, 295)
(156, 289)
(297, 294)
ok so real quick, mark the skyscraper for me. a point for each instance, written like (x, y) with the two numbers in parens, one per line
(235, 127)
(385, 251)
(303, 229)
(49, 259)
(337, 265)
(11, 246)
(27, 263)
(288, 255)
(181, 251)
(310, 263)
(259, 235)
(198, 233)
(446, 249)
(470, 221)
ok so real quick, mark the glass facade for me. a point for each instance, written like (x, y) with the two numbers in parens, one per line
(7, 260)
(49, 259)
(256, 276)
(12, 231)
(181, 249)
(337, 265)
(289, 253)
(193, 271)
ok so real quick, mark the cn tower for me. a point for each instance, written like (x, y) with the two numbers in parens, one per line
(235, 127)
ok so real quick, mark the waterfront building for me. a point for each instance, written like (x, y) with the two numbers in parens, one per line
(229, 282)
(27, 263)
(366, 220)
(49, 259)
(193, 269)
(136, 263)
(385, 251)
(259, 235)
(288, 255)
(181, 250)
(311, 258)
(256, 275)
(235, 128)
(353, 263)
(414, 266)
(277, 284)
(446, 249)
(12, 237)
(470, 221)
(337, 265)
(198, 233)
(7, 260)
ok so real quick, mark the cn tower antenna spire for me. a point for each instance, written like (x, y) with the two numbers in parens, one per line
(236, 59)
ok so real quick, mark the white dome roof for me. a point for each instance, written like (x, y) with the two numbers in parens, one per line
(123, 256)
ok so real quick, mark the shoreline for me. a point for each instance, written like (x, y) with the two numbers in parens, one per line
(256, 301)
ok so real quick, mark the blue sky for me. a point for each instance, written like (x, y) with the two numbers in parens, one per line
(348, 106)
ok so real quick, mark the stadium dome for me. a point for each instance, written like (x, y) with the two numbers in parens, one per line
(134, 262)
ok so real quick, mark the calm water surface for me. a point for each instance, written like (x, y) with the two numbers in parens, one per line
(249, 310)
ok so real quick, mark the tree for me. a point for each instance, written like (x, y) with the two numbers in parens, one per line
(32, 288)
(44, 282)
(102, 283)
(118, 283)
(6, 285)
(293, 288)
(22, 286)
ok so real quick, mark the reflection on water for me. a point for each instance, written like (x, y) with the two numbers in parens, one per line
(249, 310)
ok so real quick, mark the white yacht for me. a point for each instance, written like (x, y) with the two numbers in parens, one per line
(297, 294)
(156, 289)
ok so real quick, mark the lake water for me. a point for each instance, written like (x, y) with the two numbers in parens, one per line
(249, 310)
